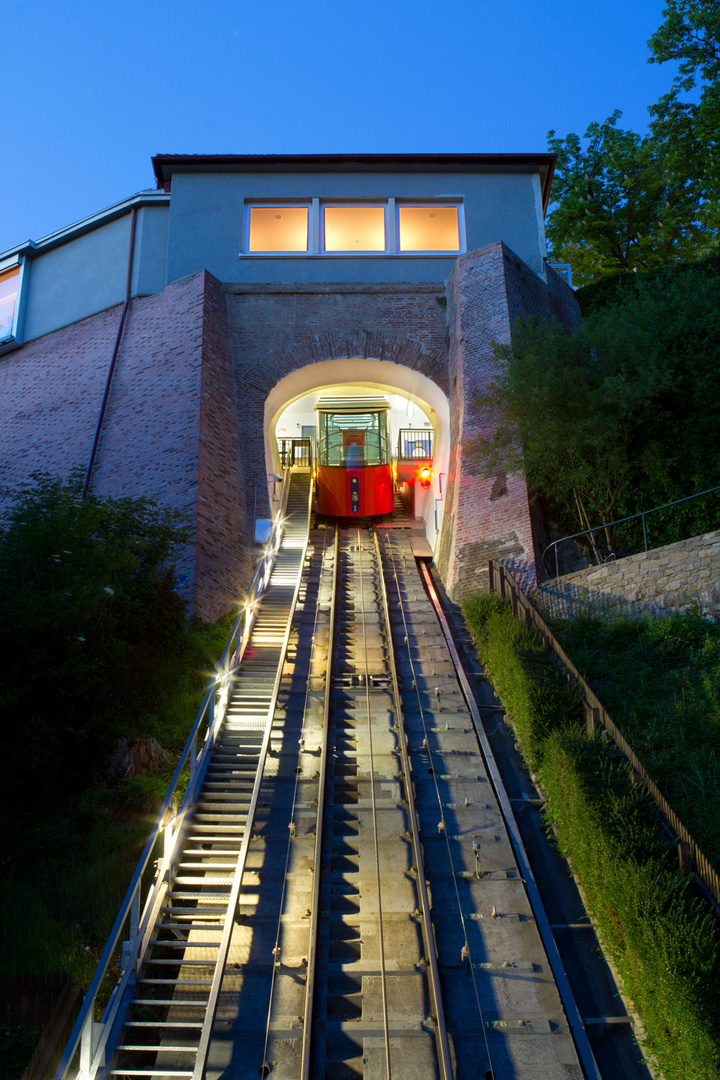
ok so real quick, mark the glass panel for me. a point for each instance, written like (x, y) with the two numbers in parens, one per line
(429, 228)
(8, 301)
(278, 228)
(354, 228)
(353, 439)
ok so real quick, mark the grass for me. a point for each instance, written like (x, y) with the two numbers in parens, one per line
(664, 941)
(660, 681)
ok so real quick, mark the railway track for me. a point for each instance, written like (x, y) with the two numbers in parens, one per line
(384, 928)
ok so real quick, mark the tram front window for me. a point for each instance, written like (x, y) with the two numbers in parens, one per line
(352, 441)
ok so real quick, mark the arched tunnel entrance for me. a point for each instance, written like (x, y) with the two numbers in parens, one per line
(416, 404)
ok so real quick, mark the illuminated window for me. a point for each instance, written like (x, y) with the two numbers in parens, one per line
(383, 227)
(9, 283)
(428, 228)
(278, 228)
(354, 228)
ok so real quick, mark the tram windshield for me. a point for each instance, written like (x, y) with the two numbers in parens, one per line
(353, 439)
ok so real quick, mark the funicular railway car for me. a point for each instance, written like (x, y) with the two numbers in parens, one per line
(354, 462)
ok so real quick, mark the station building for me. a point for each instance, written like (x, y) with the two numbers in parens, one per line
(242, 290)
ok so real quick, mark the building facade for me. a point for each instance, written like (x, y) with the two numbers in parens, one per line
(242, 285)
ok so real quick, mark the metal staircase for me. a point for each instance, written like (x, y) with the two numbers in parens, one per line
(162, 1026)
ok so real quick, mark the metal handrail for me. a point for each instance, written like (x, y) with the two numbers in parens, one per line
(631, 517)
(92, 1036)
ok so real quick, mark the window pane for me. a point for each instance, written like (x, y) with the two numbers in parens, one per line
(8, 300)
(354, 228)
(429, 228)
(278, 228)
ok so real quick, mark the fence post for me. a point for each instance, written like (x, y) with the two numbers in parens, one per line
(514, 600)
(645, 535)
(592, 719)
(501, 572)
(685, 857)
(491, 574)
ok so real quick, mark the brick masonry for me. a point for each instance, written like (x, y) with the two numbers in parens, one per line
(673, 578)
(184, 423)
(170, 426)
(489, 517)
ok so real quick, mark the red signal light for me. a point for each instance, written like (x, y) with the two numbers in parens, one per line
(424, 476)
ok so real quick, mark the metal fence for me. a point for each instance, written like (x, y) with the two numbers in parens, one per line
(295, 452)
(414, 443)
(691, 858)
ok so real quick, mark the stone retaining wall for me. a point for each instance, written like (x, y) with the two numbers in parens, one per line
(669, 579)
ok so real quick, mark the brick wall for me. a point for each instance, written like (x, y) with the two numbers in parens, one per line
(184, 423)
(168, 432)
(276, 329)
(486, 517)
(668, 579)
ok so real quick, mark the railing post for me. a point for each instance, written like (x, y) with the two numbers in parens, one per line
(557, 563)
(86, 1047)
(592, 719)
(193, 768)
(135, 917)
(685, 857)
(645, 535)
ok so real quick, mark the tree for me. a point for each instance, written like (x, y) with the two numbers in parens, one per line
(690, 131)
(625, 202)
(597, 420)
(87, 604)
(616, 206)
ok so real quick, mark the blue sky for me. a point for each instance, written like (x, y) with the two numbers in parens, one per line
(91, 90)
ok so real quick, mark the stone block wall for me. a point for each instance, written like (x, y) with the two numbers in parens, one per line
(673, 578)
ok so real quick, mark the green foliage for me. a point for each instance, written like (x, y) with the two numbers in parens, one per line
(531, 685)
(621, 201)
(616, 206)
(87, 608)
(598, 419)
(660, 681)
(663, 940)
(17, 1045)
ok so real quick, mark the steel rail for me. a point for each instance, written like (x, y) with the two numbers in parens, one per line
(381, 936)
(213, 998)
(389, 547)
(580, 1038)
(315, 897)
(443, 1046)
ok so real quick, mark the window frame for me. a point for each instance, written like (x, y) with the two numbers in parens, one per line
(15, 338)
(316, 227)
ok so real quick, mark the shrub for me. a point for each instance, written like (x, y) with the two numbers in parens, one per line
(531, 685)
(87, 604)
(663, 939)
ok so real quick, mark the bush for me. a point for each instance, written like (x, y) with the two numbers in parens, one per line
(532, 686)
(664, 941)
(87, 605)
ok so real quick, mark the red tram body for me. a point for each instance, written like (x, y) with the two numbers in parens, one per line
(354, 464)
